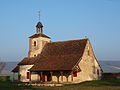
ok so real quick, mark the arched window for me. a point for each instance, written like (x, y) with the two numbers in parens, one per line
(35, 43)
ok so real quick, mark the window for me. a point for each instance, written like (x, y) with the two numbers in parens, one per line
(28, 75)
(34, 43)
(88, 53)
(94, 70)
(98, 72)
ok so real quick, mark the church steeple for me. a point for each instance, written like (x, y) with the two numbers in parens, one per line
(39, 28)
(38, 40)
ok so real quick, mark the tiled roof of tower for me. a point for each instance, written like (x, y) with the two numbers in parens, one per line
(39, 35)
(39, 25)
(60, 55)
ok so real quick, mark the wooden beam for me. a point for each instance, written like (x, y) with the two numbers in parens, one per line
(67, 78)
(61, 75)
(71, 76)
(51, 75)
(58, 79)
(38, 77)
(41, 75)
(30, 76)
(78, 67)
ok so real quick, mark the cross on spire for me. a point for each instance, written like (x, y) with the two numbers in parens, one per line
(39, 26)
(39, 15)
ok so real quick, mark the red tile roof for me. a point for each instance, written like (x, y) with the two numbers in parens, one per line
(27, 61)
(59, 55)
(39, 35)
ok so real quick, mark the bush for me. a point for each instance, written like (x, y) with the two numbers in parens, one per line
(4, 78)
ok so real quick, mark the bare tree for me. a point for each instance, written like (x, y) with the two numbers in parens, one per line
(2, 65)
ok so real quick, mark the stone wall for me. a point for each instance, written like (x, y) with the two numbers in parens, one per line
(23, 69)
(40, 42)
(88, 65)
(35, 77)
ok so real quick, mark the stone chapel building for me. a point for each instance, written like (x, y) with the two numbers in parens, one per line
(69, 61)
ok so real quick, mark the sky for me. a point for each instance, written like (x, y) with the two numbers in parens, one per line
(99, 20)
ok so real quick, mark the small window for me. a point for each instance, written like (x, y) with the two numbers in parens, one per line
(28, 75)
(88, 53)
(98, 72)
(34, 43)
(94, 70)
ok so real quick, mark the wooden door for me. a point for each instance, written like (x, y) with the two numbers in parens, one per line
(43, 78)
(49, 78)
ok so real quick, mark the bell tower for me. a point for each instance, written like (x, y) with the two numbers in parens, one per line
(37, 41)
(39, 28)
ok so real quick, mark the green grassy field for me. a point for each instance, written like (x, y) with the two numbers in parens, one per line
(89, 85)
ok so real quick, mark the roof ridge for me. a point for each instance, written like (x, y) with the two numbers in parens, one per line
(70, 40)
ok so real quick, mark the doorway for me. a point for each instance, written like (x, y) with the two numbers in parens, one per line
(49, 77)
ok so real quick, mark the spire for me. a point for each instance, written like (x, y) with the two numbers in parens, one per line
(39, 15)
(39, 26)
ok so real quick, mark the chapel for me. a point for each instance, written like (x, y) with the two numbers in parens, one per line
(70, 61)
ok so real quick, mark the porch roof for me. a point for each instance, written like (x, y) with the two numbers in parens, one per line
(28, 61)
(16, 69)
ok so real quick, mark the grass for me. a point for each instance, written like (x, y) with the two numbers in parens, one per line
(88, 85)
(7, 85)
(98, 83)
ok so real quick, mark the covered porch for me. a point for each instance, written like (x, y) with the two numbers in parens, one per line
(51, 76)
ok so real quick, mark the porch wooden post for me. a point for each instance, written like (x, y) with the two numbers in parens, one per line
(58, 79)
(30, 76)
(38, 76)
(71, 76)
(51, 75)
(41, 75)
(61, 76)
(67, 78)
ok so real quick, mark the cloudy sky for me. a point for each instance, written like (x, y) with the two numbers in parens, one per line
(99, 20)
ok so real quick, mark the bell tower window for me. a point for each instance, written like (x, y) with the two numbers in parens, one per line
(35, 44)
(39, 28)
